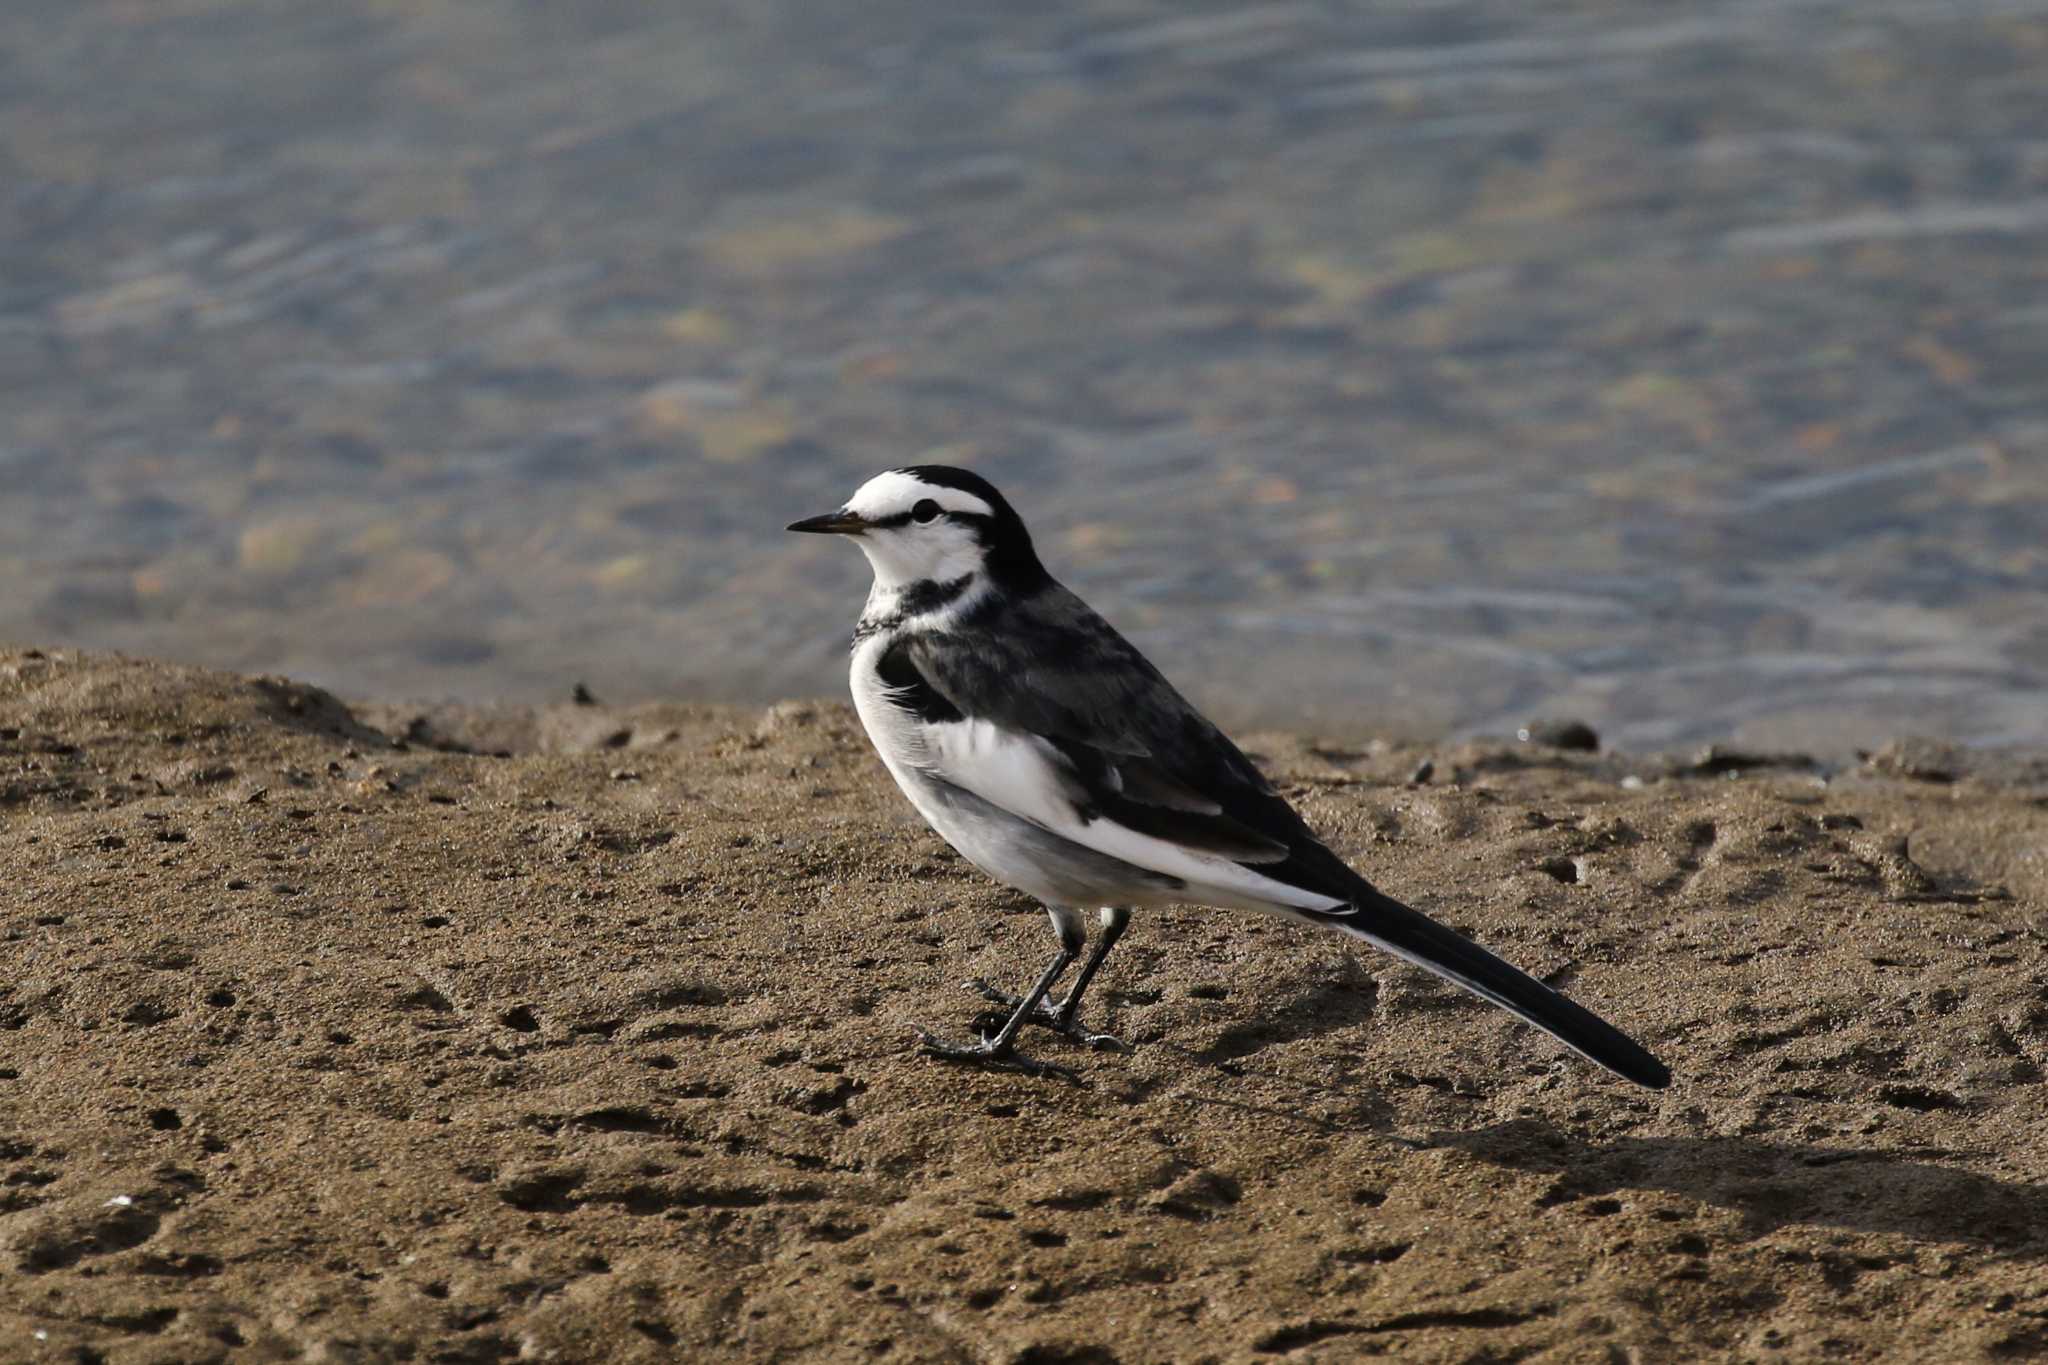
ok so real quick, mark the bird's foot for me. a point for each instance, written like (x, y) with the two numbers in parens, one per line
(1049, 1015)
(988, 1054)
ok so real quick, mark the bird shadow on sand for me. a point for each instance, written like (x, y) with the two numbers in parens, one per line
(1772, 1184)
(1308, 1098)
(1323, 1009)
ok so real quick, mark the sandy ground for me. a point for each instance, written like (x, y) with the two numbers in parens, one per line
(595, 1043)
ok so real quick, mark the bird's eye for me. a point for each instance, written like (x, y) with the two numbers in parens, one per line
(926, 510)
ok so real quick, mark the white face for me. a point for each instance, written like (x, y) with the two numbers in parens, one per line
(919, 541)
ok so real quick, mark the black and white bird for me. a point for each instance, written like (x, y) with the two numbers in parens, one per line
(1052, 754)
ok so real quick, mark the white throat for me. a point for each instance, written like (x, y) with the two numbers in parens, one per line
(904, 557)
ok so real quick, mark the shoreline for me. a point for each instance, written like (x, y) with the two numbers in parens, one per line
(329, 1028)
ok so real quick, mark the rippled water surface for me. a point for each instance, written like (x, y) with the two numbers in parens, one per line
(1426, 365)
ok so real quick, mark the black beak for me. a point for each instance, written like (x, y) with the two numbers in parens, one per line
(840, 523)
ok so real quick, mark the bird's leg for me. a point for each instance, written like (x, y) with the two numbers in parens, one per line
(1000, 1049)
(1114, 921)
(1060, 1017)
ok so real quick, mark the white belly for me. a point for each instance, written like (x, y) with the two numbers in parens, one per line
(901, 741)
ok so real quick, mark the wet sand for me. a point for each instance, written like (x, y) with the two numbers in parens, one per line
(581, 1033)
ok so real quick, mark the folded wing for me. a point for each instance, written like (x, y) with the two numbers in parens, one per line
(1065, 724)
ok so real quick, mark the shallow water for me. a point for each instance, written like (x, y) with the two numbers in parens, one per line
(1424, 366)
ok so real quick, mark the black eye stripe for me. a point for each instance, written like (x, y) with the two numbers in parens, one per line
(983, 523)
(895, 519)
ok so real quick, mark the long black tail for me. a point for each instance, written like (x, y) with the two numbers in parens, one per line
(1414, 937)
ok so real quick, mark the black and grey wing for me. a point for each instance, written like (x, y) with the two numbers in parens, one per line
(1128, 750)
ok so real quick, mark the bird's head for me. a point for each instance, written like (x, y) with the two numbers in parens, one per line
(935, 523)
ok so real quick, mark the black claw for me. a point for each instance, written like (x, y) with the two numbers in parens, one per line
(1047, 1015)
(987, 1055)
(990, 993)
